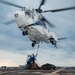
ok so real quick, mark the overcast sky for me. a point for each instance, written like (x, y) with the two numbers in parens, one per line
(14, 47)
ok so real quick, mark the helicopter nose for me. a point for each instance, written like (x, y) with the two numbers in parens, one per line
(16, 15)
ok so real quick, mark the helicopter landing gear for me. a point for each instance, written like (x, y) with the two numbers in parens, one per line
(53, 42)
(25, 33)
(33, 44)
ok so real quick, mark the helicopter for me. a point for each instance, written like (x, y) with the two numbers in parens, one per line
(33, 24)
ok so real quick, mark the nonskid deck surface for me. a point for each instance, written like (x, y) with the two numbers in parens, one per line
(19, 71)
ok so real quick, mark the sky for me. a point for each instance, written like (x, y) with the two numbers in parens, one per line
(14, 47)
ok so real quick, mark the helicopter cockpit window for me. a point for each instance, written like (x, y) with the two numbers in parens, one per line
(30, 13)
(37, 23)
(27, 12)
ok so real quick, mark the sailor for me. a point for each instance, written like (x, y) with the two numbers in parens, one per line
(33, 58)
(29, 59)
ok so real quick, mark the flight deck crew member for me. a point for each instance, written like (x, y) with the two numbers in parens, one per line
(33, 58)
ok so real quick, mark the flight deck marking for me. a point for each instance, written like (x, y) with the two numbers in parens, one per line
(22, 72)
(36, 72)
(53, 73)
(1, 72)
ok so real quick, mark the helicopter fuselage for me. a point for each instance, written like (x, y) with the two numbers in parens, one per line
(30, 23)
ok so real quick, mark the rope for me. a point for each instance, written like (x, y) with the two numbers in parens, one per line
(37, 49)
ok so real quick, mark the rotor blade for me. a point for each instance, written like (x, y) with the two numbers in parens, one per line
(58, 10)
(61, 38)
(42, 3)
(9, 22)
(49, 23)
(11, 4)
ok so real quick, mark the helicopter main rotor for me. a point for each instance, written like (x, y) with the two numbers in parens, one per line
(11, 4)
(39, 10)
